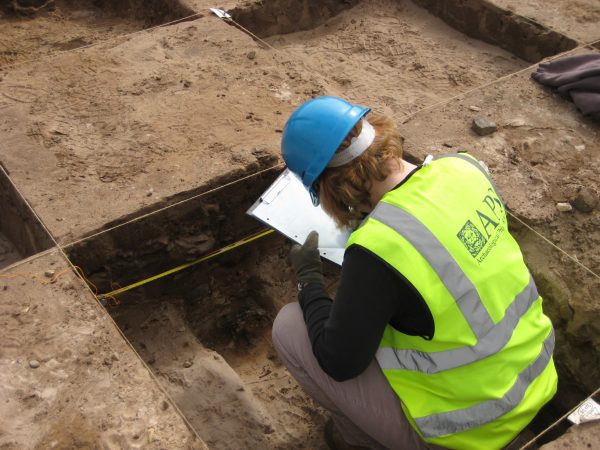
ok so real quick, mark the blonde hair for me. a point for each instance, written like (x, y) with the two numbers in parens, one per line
(344, 190)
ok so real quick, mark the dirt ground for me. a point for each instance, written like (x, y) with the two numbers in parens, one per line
(68, 378)
(132, 123)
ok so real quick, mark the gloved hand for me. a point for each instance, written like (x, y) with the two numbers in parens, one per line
(306, 261)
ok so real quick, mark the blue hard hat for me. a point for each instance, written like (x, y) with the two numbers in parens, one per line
(312, 135)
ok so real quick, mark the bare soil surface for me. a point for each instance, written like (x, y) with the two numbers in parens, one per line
(101, 135)
(173, 110)
(394, 55)
(68, 378)
(580, 437)
(242, 400)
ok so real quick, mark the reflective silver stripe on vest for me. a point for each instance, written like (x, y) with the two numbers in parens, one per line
(452, 422)
(434, 362)
(451, 275)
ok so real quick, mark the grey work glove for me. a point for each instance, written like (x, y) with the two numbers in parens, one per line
(306, 261)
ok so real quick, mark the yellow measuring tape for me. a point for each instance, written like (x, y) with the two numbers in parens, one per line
(185, 266)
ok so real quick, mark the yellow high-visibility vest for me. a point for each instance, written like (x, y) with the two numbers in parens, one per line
(488, 368)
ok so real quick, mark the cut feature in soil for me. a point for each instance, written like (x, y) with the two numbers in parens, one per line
(152, 12)
(21, 234)
(391, 53)
(480, 19)
(31, 29)
(8, 253)
(288, 16)
(205, 331)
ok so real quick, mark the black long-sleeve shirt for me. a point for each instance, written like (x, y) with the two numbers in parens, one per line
(345, 333)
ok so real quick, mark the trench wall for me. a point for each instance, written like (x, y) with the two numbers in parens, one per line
(17, 221)
(169, 238)
(481, 19)
(153, 12)
(287, 16)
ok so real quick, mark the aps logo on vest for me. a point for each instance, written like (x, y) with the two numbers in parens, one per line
(481, 235)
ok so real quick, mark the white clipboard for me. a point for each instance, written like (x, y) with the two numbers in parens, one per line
(286, 206)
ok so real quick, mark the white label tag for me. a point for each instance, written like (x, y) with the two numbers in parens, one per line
(221, 14)
(587, 412)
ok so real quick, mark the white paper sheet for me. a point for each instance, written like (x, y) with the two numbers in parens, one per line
(286, 206)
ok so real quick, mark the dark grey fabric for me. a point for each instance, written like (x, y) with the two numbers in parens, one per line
(365, 409)
(575, 77)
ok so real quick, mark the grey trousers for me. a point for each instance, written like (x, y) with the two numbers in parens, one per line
(365, 409)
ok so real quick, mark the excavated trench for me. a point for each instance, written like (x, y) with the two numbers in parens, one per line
(479, 19)
(34, 28)
(400, 55)
(153, 12)
(21, 234)
(205, 331)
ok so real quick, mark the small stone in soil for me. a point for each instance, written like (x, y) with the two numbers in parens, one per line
(517, 123)
(188, 364)
(34, 364)
(586, 200)
(49, 273)
(483, 125)
(564, 207)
